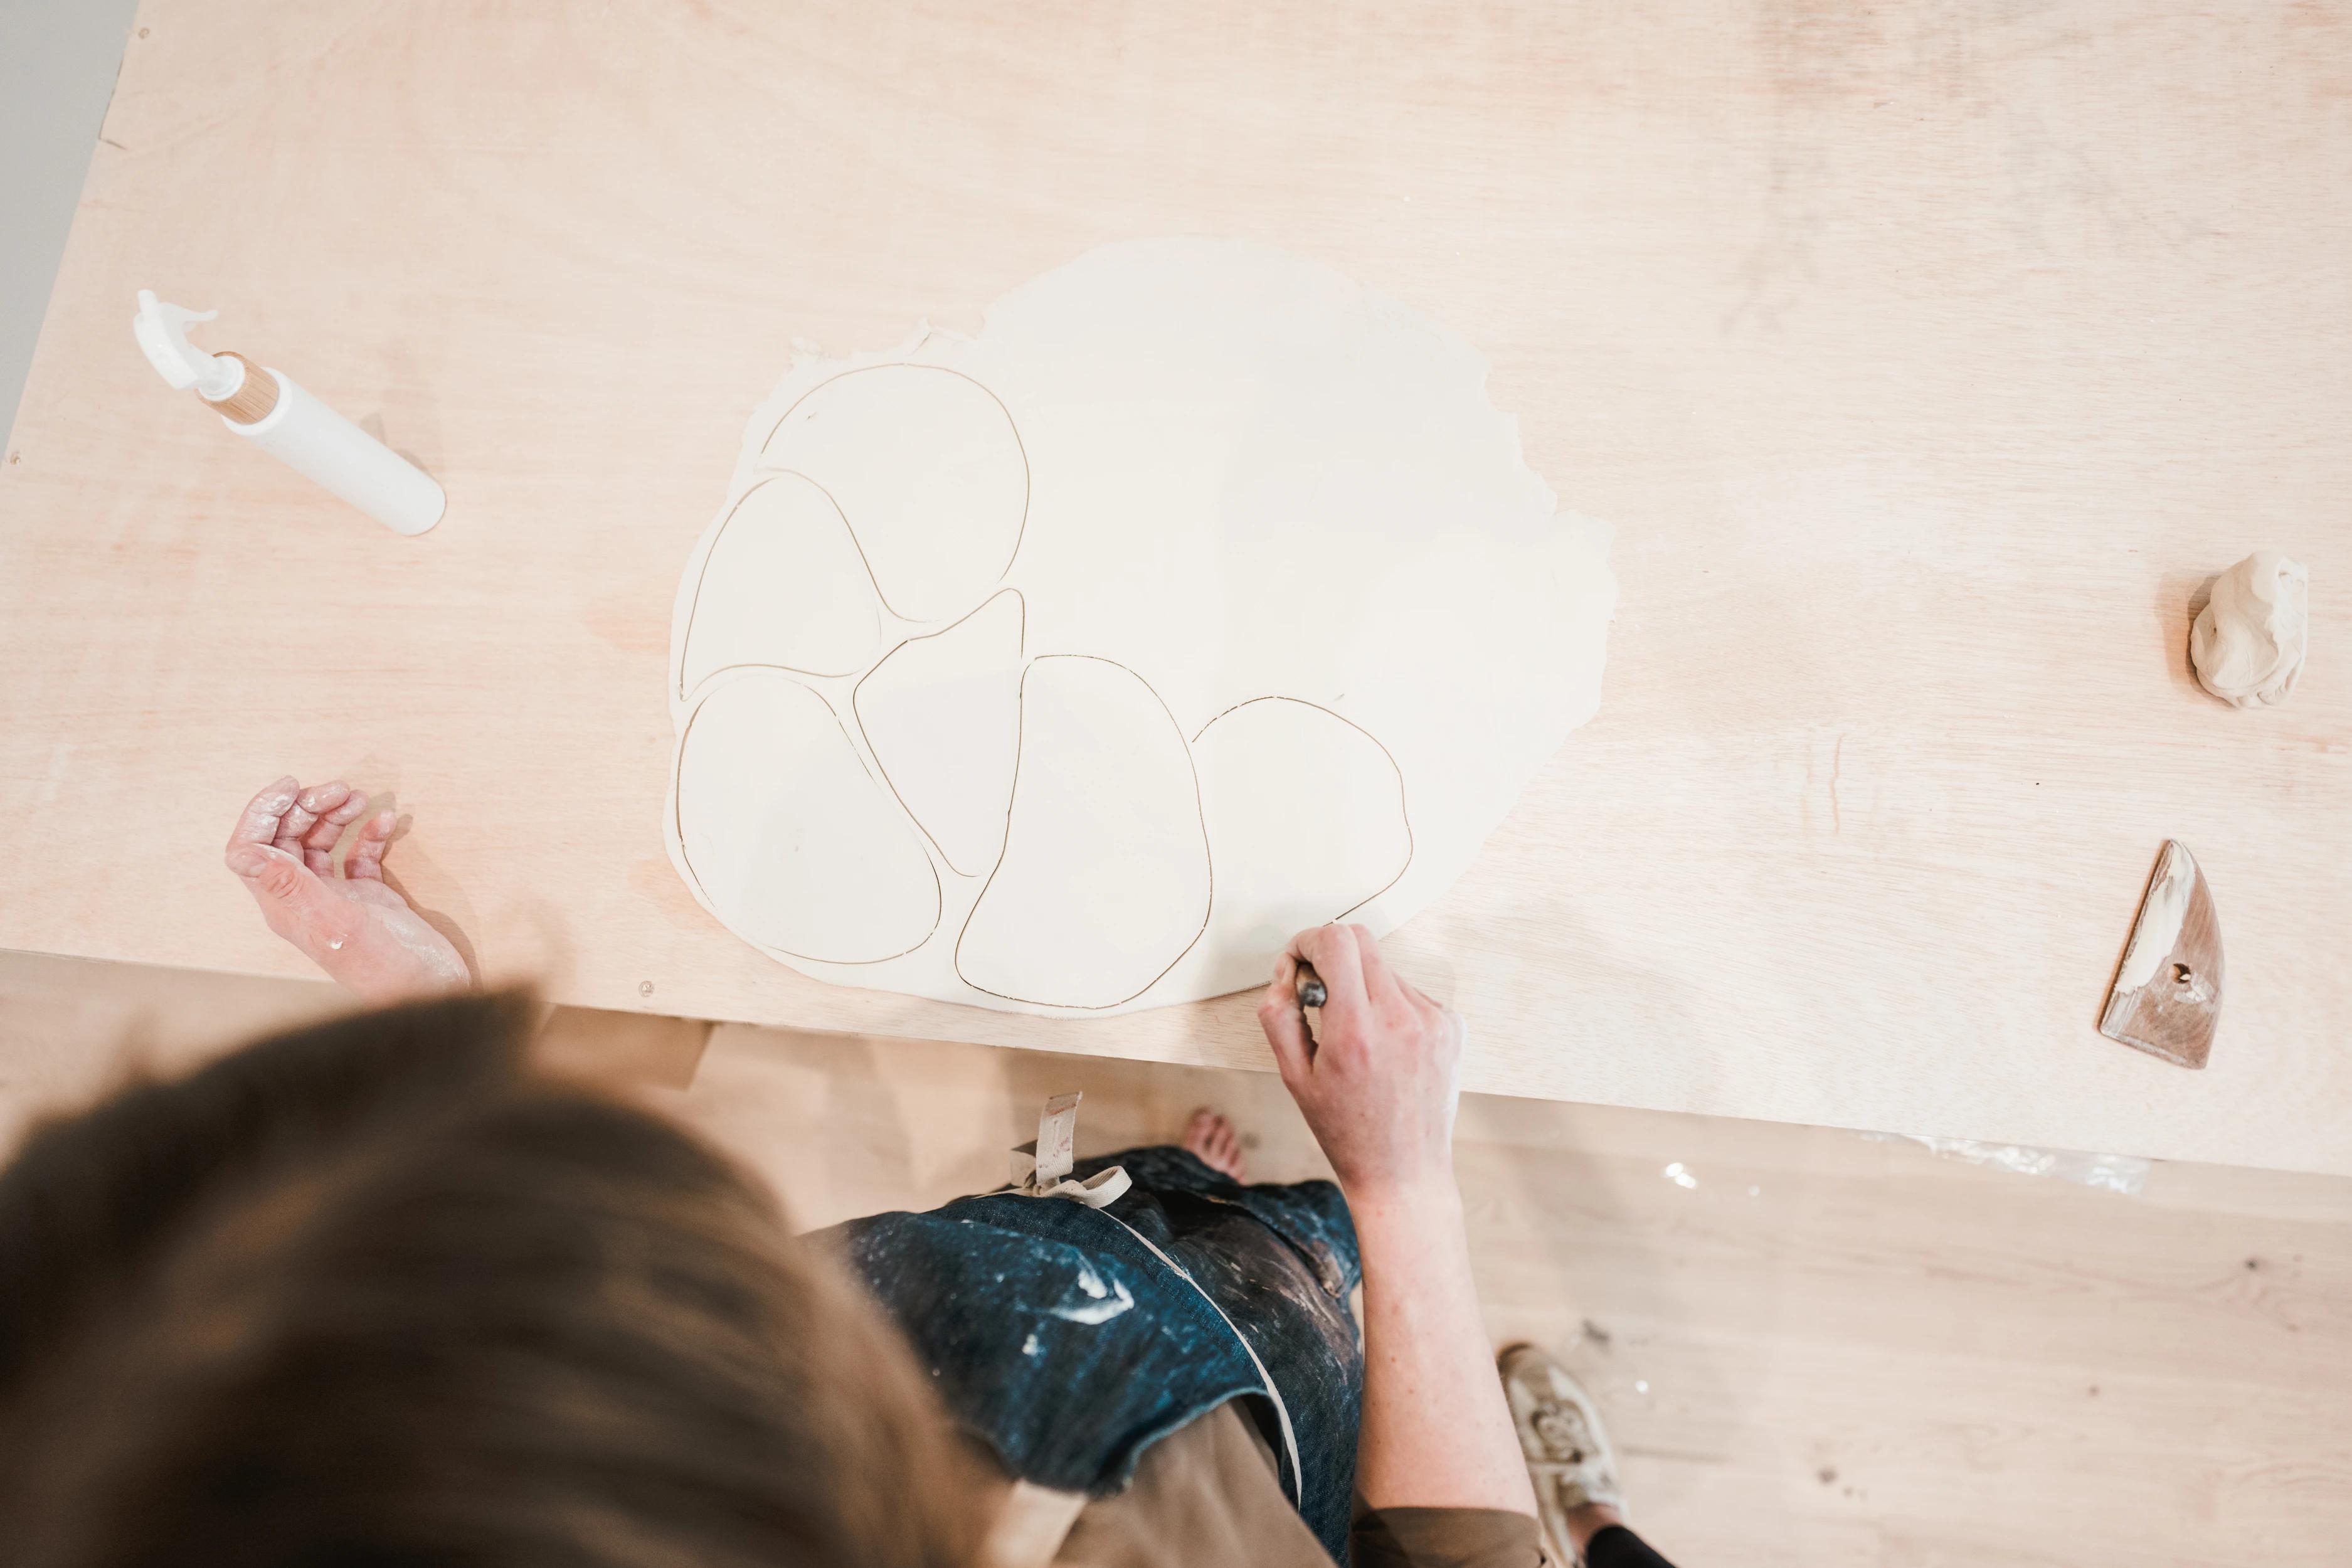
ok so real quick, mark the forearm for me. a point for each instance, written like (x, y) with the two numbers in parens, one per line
(1379, 1080)
(1436, 1432)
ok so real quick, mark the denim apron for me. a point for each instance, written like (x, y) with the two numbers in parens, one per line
(1076, 1320)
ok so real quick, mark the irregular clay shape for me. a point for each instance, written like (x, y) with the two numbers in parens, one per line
(942, 716)
(1239, 476)
(925, 464)
(1105, 880)
(787, 836)
(783, 584)
(2249, 640)
(1306, 815)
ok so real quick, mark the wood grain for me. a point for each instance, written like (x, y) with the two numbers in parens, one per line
(255, 395)
(1927, 358)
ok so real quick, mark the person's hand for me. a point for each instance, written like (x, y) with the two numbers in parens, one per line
(1378, 1088)
(354, 927)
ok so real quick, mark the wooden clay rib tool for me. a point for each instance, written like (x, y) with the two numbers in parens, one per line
(2167, 997)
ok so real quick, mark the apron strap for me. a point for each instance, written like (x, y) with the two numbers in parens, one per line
(1041, 1170)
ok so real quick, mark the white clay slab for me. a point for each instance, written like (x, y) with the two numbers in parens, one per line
(779, 825)
(782, 585)
(942, 717)
(1209, 597)
(926, 466)
(1305, 811)
(1104, 883)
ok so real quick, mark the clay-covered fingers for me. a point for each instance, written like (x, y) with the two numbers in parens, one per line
(366, 861)
(260, 822)
(335, 813)
(307, 804)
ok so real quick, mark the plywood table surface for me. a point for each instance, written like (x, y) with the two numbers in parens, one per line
(1927, 359)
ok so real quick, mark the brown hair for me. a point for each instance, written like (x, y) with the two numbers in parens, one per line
(373, 1293)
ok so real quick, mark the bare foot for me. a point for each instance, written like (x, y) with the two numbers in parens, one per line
(1211, 1139)
(356, 928)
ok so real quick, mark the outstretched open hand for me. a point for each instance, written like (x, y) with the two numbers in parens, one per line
(353, 926)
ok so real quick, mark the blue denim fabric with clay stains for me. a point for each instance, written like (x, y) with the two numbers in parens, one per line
(1054, 1335)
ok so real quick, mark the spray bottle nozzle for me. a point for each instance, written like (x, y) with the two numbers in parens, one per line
(162, 332)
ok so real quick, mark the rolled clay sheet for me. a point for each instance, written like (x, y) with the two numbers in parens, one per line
(1202, 597)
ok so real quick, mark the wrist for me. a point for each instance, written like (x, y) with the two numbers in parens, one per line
(1423, 1198)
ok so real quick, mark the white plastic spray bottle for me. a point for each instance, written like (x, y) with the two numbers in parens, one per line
(269, 409)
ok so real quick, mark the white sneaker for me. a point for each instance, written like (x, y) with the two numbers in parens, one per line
(1568, 1457)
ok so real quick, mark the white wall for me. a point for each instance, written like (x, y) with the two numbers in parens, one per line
(57, 60)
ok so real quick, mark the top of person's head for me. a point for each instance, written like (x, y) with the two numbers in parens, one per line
(376, 1293)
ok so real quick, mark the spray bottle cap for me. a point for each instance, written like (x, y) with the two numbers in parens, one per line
(162, 332)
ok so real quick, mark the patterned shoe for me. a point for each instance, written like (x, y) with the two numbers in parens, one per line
(1568, 1457)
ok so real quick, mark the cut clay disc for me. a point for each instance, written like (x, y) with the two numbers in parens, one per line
(1203, 595)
